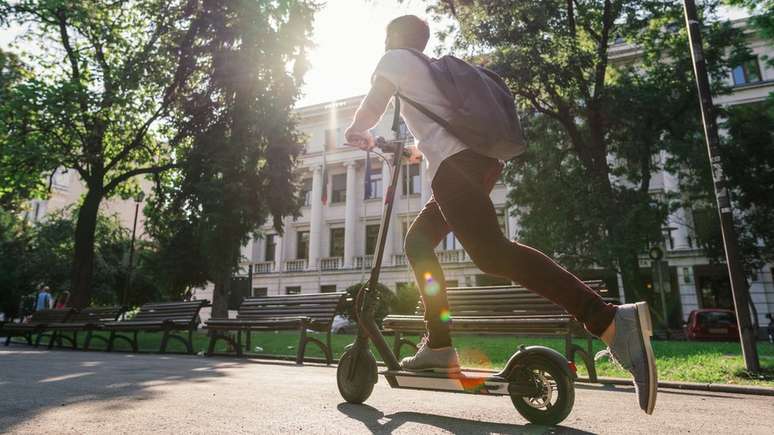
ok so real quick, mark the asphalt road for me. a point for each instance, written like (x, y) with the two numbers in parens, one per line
(62, 392)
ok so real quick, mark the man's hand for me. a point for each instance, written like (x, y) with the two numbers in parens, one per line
(416, 155)
(361, 139)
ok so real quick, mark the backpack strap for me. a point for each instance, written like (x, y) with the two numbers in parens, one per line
(427, 112)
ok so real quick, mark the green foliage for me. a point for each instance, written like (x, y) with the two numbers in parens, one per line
(15, 280)
(101, 100)
(243, 142)
(597, 115)
(384, 300)
(748, 159)
(405, 300)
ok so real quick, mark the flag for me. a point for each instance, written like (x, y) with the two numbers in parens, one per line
(368, 192)
(324, 196)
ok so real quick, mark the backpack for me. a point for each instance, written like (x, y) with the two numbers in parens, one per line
(483, 110)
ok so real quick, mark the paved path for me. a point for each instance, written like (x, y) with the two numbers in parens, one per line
(61, 392)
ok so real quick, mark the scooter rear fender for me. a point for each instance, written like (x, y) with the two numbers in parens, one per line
(527, 353)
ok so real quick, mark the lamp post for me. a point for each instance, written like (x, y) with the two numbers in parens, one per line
(137, 201)
(735, 271)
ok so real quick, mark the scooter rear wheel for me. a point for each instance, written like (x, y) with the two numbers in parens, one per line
(356, 375)
(557, 393)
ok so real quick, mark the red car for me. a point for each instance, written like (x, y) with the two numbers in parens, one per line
(712, 324)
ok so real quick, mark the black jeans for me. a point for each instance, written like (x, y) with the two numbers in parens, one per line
(460, 203)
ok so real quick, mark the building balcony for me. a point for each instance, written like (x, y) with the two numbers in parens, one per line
(399, 260)
(456, 256)
(295, 265)
(263, 267)
(364, 261)
(331, 263)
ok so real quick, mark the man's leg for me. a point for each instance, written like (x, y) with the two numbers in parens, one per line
(467, 208)
(427, 230)
(463, 199)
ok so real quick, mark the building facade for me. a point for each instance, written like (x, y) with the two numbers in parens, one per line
(330, 246)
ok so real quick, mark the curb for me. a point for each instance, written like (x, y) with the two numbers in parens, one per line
(718, 388)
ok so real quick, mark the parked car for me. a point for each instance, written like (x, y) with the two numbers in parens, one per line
(711, 324)
(343, 325)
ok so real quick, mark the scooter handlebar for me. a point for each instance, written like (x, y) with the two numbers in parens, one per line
(388, 146)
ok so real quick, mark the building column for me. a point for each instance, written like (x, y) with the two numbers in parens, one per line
(621, 292)
(513, 224)
(686, 284)
(350, 217)
(279, 251)
(424, 183)
(315, 230)
(388, 244)
(676, 219)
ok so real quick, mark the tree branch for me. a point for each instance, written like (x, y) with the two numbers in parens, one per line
(137, 171)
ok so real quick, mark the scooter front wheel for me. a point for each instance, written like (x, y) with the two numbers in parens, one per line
(555, 397)
(356, 374)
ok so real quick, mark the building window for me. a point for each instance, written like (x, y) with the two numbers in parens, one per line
(306, 191)
(747, 72)
(337, 242)
(452, 283)
(331, 138)
(376, 183)
(371, 238)
(302, 245)
(259, 292)
(271, 246)
(403, 131)
(339, 188)
(328, 288)
(411, 183)
(501, 221)
(292, 290)
(450, 242)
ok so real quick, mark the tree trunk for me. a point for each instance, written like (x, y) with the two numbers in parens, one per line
(220, 293)
(83, 257)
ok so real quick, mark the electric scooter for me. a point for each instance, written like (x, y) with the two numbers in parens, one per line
(539, 380)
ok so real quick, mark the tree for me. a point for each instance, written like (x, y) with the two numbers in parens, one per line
(585, 192)
(107, 110)
(15, 279)
(238, 171)
(19, 176)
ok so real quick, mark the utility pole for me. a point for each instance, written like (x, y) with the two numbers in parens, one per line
(747, 335)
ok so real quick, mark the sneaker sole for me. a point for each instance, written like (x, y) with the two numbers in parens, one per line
(646, 328)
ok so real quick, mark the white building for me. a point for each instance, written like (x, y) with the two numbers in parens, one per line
(328, 247)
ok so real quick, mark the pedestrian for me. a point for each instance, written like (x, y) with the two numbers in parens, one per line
(461, 180)
(43, 301)
(62, 300)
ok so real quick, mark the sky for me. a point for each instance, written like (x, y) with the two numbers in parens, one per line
(349, 38)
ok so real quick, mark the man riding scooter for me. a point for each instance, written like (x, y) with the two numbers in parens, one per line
(462, 176)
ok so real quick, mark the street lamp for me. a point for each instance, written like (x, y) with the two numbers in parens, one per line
(747, 335)
(137, 201)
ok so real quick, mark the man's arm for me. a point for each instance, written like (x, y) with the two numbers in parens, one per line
(370, 111)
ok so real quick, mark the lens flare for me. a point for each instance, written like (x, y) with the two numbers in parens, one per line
(428, 276)
(445, 316)
(432, 288)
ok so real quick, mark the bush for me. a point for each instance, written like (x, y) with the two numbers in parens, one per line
(405, 300)
(384, 296)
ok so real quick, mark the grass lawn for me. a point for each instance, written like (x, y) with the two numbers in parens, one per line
(704, 362)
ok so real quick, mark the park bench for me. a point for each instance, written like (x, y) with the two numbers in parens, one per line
(89, 320)
(170, 318)
(38, 324)
(280, 313)
(507, 310)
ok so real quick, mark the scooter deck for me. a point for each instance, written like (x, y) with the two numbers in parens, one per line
(463, 382)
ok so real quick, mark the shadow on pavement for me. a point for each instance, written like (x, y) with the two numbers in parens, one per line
(33, 381)
(374, 420)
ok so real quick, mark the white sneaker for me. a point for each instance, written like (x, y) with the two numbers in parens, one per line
(441, 360)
